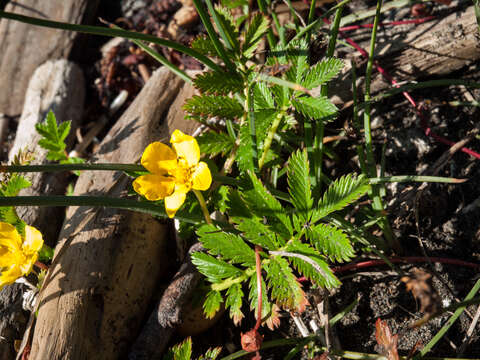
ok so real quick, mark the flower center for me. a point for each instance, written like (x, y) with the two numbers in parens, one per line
(184, 174)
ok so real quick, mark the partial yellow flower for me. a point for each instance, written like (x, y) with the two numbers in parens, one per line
(17, 255)
(173, 172)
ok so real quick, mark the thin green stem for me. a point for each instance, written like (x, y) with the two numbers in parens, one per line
(318, 146)
(270, 37)
(371, 166)
(97, 30)
(415, 178)
(92, 201)
(213, 35)
(203, 206)
(311, 15)
(249, 105)
(449, 323)
(268, 140)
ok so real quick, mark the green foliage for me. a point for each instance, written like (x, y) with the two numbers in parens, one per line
(204, 45)
(234, 302)
(331, 241)
(183, 351)
(315, 108)
(227, 22)
(218, 82)
(244, 156)
(256, 29)
(231, 247)
(11, 186)
(206, 106)
(53, 139)
(212, 303)
(299, 184)
(322, 72)
(339, 194)
(213, 143)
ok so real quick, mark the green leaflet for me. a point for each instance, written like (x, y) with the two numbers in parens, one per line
(204, 45)
(206, 106)
(339, 194)
(258, 233)
(212, 303)
(227, 22)
(213, 269)
(234, 302)
(298, 171)
(284, 286)
(256, 29)
(331, 241)
(253, 297)
(322, 72)
(11, 187)
(297, 56)
(315, 108)
(244, 157)
(218, 82)
(213, 143)
(263, 204)
(229, 246)
(325, 277)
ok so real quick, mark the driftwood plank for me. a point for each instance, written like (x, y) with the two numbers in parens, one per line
(108, 261)
(24, 47)
(435, 48)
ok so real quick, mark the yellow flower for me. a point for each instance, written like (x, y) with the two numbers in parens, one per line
(17, 255)
(173, 173)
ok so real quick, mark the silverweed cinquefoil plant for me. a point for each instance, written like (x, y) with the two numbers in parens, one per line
(17, 254)
(173, 172)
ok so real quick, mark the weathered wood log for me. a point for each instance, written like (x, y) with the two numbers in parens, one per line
(24, 47)
(435, 48)
(108, 261)
(58, 86)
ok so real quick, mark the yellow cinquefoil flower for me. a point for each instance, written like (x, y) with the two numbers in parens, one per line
(173, 173)
(17, 255)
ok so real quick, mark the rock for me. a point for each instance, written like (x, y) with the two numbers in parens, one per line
(58, 86)
(24, 47)
(108, 261)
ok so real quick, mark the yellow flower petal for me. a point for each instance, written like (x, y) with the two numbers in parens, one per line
(33, 240)
(201, 178)
(174, 201)
(9, 237)
(186, 147)
(10, 275)
(159, 159)
(154, 187)
(7, 258)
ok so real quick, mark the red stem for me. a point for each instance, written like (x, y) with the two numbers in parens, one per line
(258, 266)
(407, 260)
(427, 130)
(41, 265)
(391, 23)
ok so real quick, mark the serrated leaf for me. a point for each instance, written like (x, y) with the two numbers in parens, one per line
(234, 302)
(207, 106)
(256, 29)
(263, 204)
(231, 4)
(244, 156)
(227, 22)
(218, 82)
(331, 241)
(212, 303)
(183, 351)
(63, 130)
(253, 297)
(229, 246)
(285, 289)
(213, 269)
(262, 96)
(204, 45)
(257, 233)
(51, 145)
(324, 277)
(315, 108)
(339, 194)
(263, 121)
(56, 156)
(322, 72)
(297, 56)
(220, 198)
(298, 176)
(11, 187)
(211, 354)
(213, 143)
